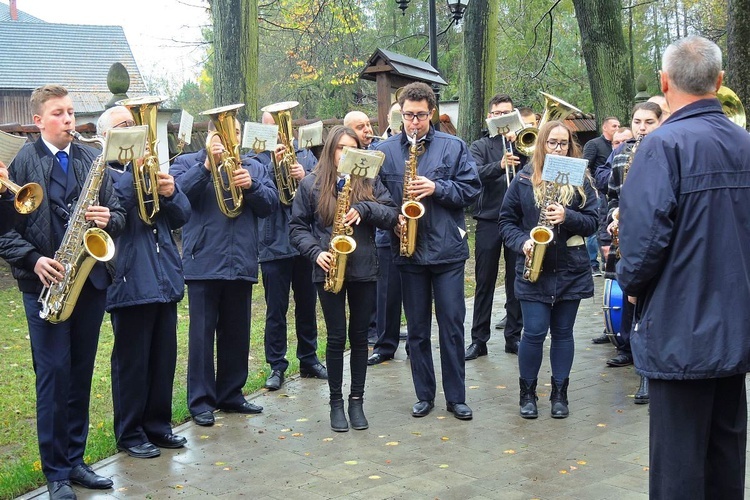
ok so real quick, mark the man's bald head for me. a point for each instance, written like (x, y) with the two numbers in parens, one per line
(360, 123)
(662, 102)
(267, 119)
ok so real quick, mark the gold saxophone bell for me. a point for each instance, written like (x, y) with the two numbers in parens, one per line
(28, 197)
(228, 195)
(554, 109)
(731, 105)
(342, 243)
(146, 176)
(541, 236)
(285, 183)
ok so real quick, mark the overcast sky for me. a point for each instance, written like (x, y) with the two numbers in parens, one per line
(163, 34)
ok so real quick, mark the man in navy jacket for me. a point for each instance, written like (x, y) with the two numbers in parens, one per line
(220, 258)
(684, 242)
(446, 183)
(142, 300)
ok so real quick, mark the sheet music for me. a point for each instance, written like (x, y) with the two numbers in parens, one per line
(126, 144)
(564, 169)
(504, 124)
(361, 162)
(260, 137)
(185, 132)
(311, 135)
(10, 145)
(395, 120)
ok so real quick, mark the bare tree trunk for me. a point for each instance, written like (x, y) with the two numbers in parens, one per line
(606, 55)
(738, 50)
(478, 66)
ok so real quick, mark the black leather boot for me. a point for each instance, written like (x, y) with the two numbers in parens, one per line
(338, 419)
(528, 399)
(559, 399)
(357, 414)
(641, 395)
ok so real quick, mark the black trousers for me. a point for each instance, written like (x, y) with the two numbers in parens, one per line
(63, 355)
(278, 276)
(487, 249)
(361, 297)
(697, 438)
(220, 311)
(389, 304)
(446, 284)
(143, 364)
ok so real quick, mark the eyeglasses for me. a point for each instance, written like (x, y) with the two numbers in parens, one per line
(554, 144)
(495, 114)
(125, 123)
(421, 116)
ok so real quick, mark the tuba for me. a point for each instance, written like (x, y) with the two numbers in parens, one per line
(541, 235)
(285, 183)
(554, 109)
(342, 243)
(28, 197)
(411, 209)
(146, 176)
(228, 194)
(82, 246)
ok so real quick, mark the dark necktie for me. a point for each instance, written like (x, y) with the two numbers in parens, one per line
(62, 157)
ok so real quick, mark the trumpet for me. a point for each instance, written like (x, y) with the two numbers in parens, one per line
(28, 197)
(228, 195)
(146, 176)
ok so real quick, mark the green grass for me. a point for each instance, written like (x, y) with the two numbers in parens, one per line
(20, 467)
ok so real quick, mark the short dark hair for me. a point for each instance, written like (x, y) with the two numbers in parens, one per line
(648, 106)
(526, 111)
(416, 92)
(609, 118)
(500, 98)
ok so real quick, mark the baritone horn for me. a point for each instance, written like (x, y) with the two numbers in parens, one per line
(146, 176)
(228, 194)
(554, 109)
(28, 197)
(731, 105)
(285, 183)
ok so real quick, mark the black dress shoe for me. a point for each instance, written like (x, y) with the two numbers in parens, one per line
(621, 359)
(83, 475)
(602, 339)
(275, 380)
(475, 350)
(512, 346)
(460, 410)
(315, 371)
(61, 490)
(422, 408)
(172, 441)
(501, 324)
(641, 395)
(145, 450)
(206, 419)
(377, 358)
(245, 407)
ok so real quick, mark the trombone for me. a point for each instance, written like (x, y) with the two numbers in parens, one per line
(28, 197)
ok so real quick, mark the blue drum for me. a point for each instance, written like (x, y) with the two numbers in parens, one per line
(613, 302)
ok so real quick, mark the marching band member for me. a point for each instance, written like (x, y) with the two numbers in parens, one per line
(493, 159)
(220, 258)
(282, 268)
(446, 182)
(63, 353)
(313, 213)
(551, 302)
(142, 300)
(360, 123)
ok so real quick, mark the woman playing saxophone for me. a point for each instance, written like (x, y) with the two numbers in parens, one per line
(315, 210)
(551, 301)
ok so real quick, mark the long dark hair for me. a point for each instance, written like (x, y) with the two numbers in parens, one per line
(326, 176)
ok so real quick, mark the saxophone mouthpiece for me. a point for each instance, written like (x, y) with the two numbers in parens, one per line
(75, 134)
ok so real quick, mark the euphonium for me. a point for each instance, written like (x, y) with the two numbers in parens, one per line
(342, 243)
(146, 176)
(285, 183)
(28, 197)
(731, 105)
(83, 245)
(554, 109)
(541, 235)
(411, 209)
(228, 194)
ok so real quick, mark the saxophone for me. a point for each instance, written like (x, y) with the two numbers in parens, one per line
(616, 215)
(541, 235)
(83, 245)
(342, 243)
(411, 209)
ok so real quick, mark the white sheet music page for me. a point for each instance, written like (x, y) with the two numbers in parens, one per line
(10, 145)
(564, 169)
(126, 144)
(260, 137)
(361, 162)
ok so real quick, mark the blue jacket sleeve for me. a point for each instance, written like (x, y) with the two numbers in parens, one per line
(584, 221)
(510, 222)
(461, 189)
(191, 175)
(176, 208)
(602, 174)
(262, 197)
(381, 213)
(300, 225)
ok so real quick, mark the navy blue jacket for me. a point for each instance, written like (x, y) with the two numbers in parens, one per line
(448, 163)
(685, 246)
(214, 246)
(8, 214)
(148, 267)
(311, 237)
(566, 270)
(274, 229)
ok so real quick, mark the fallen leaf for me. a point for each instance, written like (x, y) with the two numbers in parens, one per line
(563, 472)
(443, 466)
(351, 462)
(500, 387)
(473, 387)
(601, 425)
(286, 430)
(387, 461)
(227, 468)
(381, 436)
(581, 462)
(307, 453)
(301, 420)
(392, 443)
(444, 438)
(573, 467)
(178, 486)
(327, 439)
(220, 463)
(204, 437)
(122, 489)
(374, 477)
(510, 452)
(645, 469)
(297, 434)
(282, 437)
(441, 417)
(417, 433)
